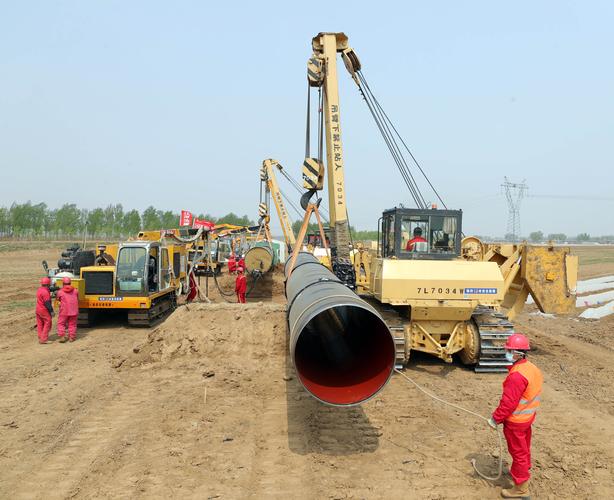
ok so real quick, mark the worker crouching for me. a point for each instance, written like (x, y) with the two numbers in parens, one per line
(240, 286)
(44, 310)
(517, 409)
(68, 297)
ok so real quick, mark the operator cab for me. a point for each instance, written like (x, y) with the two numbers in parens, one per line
(142, 269)
(425, 234)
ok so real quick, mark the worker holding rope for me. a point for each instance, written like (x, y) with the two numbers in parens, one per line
(517, 409)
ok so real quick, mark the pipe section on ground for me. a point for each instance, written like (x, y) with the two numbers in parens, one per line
(259, 258)
(341, 348)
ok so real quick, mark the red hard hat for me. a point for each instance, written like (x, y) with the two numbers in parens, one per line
(66, 280)
(45, 281)
(517, 342)
(240, 269)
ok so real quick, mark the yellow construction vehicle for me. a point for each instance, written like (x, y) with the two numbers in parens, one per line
(144, 279)
(141, 277)
(439, 293)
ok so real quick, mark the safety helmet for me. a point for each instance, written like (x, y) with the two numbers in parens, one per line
(517, 342)
(45, 281)
(239, 269)
(66, 280)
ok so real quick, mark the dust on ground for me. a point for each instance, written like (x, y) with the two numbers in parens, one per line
(206, 405)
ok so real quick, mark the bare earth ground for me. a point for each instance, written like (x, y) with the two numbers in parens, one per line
(595, 260)
(206, 405)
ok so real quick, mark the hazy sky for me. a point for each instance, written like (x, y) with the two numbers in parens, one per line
(176, 104)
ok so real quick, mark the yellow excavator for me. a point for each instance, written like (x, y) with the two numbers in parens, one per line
(439, 293)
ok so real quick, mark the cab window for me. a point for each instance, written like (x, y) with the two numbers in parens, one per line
(389, 236)
(415, 234)
(131, 269)
(443, 234)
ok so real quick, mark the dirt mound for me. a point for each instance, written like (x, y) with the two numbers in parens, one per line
(239, 331)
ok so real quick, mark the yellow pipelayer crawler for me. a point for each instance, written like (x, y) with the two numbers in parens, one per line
(440, 293)
(462, 306)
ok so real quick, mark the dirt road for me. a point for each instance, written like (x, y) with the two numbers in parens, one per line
(206, 406)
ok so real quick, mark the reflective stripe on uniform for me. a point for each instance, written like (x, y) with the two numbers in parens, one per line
(531, 397)
(525, 412)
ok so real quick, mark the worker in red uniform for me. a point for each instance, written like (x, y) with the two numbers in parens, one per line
(416, 239)
(240, 286)
(232, 263)
(517, 409)
(68, 297)
(44, 310)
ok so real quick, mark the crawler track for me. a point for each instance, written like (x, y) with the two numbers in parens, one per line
(494, 329)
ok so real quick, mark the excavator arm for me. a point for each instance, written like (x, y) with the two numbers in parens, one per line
(267, 176)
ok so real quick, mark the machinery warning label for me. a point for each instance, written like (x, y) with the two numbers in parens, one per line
(111, 299)
(480, 291)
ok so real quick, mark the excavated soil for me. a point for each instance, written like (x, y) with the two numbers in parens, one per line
(206, 405)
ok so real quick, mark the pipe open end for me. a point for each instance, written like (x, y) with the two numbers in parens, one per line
(344, 355)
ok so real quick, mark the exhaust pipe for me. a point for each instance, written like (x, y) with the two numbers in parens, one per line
(341, 348)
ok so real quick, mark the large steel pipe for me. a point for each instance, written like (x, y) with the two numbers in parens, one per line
(341, 348)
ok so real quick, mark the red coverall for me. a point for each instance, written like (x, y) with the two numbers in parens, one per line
(43, 313)
(241, 288)
(232, 264)
(517, 434)
(415, 239)
(69, 309)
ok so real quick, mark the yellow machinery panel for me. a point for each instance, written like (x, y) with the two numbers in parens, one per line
(403, 282)
(551, 274)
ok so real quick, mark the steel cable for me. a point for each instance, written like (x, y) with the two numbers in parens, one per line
(366, 84)
(392, 147)
(443, 401)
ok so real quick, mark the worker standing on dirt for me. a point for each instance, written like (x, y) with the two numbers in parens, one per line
(517, 409)
(44, 310)
(240, 286)
(68, 297)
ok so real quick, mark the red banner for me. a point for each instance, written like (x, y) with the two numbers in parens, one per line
(186, 218)
(198, 223)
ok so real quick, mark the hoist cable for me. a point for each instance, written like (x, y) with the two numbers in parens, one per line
(364, 80)
(392, 144)
(413, 188)
(308, 128)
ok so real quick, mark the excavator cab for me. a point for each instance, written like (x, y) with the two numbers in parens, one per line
(424, 234)
(143, 268)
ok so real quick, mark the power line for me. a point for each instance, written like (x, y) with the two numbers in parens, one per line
(514, 193)
(570, 197)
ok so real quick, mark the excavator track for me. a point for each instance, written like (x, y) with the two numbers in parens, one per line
(160, 307)
(494, 328)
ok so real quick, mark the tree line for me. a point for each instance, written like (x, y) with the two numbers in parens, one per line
(27, 220)
(540, 237)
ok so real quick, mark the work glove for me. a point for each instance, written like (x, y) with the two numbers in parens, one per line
(492, 423)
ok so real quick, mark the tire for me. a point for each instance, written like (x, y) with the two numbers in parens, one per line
(470, 353)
